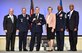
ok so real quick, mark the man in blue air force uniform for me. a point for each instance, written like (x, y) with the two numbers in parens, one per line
(23, 26)
(60, 28)
(37, 20)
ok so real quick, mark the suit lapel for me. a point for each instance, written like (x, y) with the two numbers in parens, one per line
(72, 14)
(14, 19)
(59, 13)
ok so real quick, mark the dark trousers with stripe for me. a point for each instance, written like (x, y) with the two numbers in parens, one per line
(60, 40)
(38, 40)
(22, 40)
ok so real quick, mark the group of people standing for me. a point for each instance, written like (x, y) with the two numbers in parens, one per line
(55, 23)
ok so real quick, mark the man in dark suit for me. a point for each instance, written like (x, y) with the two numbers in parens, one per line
(9, 25)
(60, 28)
(72, 27)
(37, 20)
(23, 26)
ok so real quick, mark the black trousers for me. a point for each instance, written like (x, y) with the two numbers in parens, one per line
(73, 40)
(38, 36)
(60, 40)
(10, 41)
(22, 40)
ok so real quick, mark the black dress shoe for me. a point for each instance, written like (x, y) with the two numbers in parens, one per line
(20, 50)
(37, 50)
(25, 50)
(12, 50)
(30, 50)
(72, 50)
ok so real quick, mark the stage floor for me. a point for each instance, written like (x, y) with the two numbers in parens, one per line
(42, 52)
(66, 44)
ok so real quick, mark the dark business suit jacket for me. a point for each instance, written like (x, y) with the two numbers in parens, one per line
(35, 27)
(73, 22)
(8, 25)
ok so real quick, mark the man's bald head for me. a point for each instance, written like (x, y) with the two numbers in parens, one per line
(59, 8)
(71, 7)
(11, 11)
